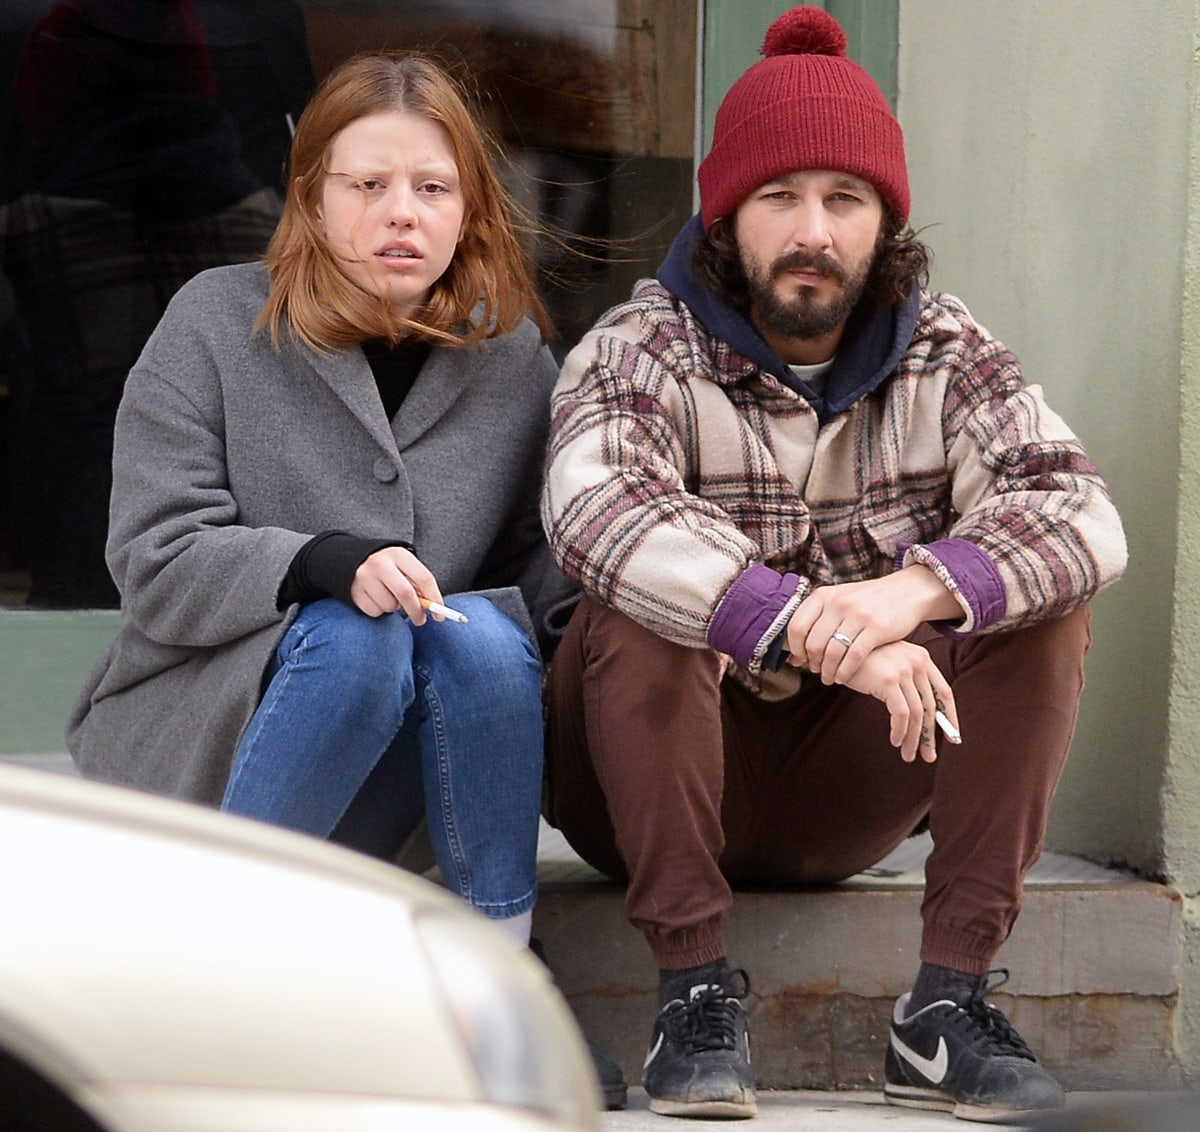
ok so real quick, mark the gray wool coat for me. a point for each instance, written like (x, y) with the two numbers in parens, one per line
(230, 455)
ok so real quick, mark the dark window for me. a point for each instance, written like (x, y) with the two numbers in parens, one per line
(145, 141)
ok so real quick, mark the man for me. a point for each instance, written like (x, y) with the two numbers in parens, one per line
(817, 516)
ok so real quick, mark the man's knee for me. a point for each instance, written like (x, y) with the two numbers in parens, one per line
(608, 635)
(1050, 651)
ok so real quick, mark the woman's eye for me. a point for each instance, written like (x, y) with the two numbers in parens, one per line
(433, 188)
(361, 184)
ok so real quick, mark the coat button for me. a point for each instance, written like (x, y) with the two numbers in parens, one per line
(385, 470)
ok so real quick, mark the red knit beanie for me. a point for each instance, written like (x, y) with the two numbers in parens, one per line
(804, 106)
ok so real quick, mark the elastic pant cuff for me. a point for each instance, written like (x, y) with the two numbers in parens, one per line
(961, 951)
(675, 950)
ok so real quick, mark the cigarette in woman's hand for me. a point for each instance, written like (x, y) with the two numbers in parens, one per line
(440, 610)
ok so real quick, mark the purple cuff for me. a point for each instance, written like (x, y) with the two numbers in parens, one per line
(969, 574)
(753, 612)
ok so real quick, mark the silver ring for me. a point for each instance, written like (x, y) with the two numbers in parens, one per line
(847, 641)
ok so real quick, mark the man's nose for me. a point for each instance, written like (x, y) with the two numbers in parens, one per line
(811, 226)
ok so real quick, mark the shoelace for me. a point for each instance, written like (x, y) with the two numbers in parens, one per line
(990, 1021)
(710, 1020)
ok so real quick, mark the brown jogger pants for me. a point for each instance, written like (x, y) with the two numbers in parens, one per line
(661, 773)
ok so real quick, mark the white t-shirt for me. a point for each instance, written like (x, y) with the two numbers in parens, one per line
(814, 376)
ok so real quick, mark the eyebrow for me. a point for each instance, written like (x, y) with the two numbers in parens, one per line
(852, 182)
(841, 180)
(382, 167)
(446, 170)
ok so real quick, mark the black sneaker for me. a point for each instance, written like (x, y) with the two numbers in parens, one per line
(968, 1060)
(610, 1075)
(699, 1059)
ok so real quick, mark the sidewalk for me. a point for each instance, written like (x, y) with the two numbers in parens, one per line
(794, 1111)
(862, 1111)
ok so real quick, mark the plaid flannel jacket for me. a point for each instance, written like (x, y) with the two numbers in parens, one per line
(675, 464)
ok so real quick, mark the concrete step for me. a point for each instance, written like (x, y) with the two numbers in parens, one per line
(1095, 964)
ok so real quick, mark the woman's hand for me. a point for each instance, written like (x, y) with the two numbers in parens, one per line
(836, 628)
(394, 578)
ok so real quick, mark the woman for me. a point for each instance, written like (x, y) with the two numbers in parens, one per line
(307, 453)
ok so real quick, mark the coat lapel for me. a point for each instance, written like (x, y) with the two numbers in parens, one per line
(347, 373)
(441, 382)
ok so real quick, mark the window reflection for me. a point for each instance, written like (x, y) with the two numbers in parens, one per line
(146, 142)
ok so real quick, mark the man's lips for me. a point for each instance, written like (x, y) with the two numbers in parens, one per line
(806, 274)
(809, 269)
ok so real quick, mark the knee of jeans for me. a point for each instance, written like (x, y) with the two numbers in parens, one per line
(489, 619)
(490, 636)
(365, 650)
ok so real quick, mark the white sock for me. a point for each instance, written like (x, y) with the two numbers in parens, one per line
(517, 928)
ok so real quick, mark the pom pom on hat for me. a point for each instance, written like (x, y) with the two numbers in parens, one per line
(805, 31)
(805, 105)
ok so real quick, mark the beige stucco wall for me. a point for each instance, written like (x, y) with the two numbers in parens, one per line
(1048, 148)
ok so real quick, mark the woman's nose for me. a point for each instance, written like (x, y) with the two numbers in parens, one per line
(401, 210)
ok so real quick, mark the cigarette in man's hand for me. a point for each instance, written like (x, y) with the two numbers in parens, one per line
(440, 610)
(952, 732)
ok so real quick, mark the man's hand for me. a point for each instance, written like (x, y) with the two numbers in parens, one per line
(836, 628)
(855, 634)
(904, 677)
(393, 578)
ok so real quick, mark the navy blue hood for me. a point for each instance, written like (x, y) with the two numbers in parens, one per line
(871, 347)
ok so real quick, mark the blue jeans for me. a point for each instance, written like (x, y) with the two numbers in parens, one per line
(366, 723)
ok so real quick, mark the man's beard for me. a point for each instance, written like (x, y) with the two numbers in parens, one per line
(803, 316)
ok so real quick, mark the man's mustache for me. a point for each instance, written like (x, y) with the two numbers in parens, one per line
(817, 261)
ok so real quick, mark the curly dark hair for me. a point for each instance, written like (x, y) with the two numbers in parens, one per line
(901, 263)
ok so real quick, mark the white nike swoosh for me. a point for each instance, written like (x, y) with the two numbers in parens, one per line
(653, 1051)
(932, 1068)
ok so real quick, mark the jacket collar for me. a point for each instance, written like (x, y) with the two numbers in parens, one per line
(348, 374)
(871, 347)
(443, 378)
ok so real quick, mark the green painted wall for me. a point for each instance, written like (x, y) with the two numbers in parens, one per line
(43, 660)
(1048, 150)
(734, 30)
